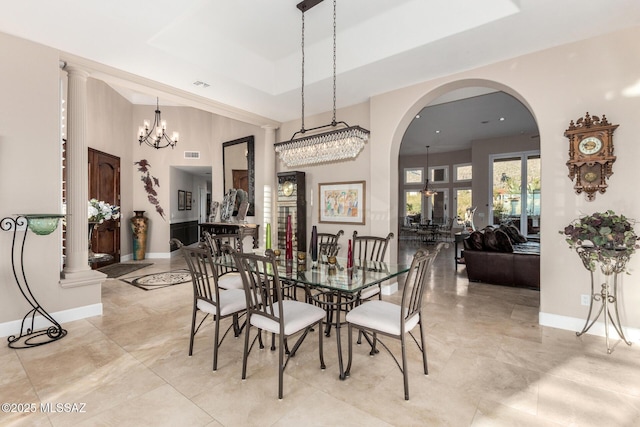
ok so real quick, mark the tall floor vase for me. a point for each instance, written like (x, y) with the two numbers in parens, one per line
(139, 226)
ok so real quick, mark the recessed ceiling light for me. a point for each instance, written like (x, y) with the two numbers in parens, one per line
(417, 116)
(437, 131)
(502, 119)
(200, 83)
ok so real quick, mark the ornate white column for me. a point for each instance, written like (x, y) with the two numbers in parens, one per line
(77, 271)
(270, 187)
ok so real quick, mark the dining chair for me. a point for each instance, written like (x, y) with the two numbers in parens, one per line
(370, 248)
(328, 243)
(220, 244)
(210, 299)
(268, 311)
(379, 317)
(327, 246)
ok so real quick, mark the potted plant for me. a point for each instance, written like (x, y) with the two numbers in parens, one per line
(602, 234)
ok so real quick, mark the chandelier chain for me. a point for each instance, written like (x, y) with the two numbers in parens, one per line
(340, 143)
(334, 63)
(302, 90)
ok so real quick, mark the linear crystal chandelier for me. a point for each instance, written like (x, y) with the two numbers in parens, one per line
(340, 142)
(156, 135)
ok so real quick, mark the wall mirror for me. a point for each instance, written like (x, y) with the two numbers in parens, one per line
(238, 163)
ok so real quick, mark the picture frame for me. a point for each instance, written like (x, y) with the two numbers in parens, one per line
(188, 204)
(182, 198)
(342, 202)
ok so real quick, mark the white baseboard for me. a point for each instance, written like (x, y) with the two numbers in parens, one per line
(13, 327)
(152, 255)
(576, 325)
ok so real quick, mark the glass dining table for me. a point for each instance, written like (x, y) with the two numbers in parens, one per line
(339, 286)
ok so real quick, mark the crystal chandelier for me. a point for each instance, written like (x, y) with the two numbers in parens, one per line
(428, 191)
(331, 145)
(156, 135)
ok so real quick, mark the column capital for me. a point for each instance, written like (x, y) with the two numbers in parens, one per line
(74, 70)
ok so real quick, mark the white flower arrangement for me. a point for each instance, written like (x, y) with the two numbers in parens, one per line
(100, 211)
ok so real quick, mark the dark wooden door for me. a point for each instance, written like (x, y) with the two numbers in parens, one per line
(240, 179)
(104, 184)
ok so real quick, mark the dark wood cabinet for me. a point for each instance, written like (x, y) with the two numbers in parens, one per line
(292, 201)
(186, 232)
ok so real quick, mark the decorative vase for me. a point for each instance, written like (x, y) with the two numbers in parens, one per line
(92, 225)
(288, 254)
(267, 237)
(139, 226)
(314, 246)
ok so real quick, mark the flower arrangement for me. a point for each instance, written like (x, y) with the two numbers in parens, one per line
(100, 211)
(602, 230)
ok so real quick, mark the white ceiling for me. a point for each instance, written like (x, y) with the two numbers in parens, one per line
(248, 51)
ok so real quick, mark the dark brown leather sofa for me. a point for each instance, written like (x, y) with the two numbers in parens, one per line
(520, 268)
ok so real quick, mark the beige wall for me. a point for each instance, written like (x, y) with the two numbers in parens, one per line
(30, 177)
(30, 170)
(555, 84)
(557, 87)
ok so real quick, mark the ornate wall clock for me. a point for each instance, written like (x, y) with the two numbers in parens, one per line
(590, 154)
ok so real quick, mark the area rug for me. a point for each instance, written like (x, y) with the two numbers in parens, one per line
(149, 282)
(120, 269)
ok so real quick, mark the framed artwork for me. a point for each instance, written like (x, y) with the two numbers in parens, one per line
(182, 199)
(188, 205)
(342, 202)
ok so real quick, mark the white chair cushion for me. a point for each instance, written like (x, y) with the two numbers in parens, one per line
(381, 316)
(231, 280)
(297, 316)
(231, 301)
(369, 292)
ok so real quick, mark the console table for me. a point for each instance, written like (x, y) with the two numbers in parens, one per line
(612, 262)
(241, 229)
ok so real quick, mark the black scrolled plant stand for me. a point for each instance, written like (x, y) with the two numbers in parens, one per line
(28, 337)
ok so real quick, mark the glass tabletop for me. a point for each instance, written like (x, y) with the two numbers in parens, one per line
(338, 278)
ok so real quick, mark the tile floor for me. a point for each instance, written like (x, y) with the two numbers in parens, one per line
(490, 363)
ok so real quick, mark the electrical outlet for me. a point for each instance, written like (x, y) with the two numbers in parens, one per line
(585, 299)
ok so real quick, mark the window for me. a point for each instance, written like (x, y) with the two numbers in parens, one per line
(413, 175)
(516, 190)
(462, 172)
(412, 202)
(439, 174)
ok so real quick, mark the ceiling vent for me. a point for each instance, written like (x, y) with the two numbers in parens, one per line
(191, 154)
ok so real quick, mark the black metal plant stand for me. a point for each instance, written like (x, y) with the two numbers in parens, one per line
(612, 263)
(41, 224)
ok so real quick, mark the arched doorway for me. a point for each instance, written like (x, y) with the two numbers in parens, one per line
(484, 153)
